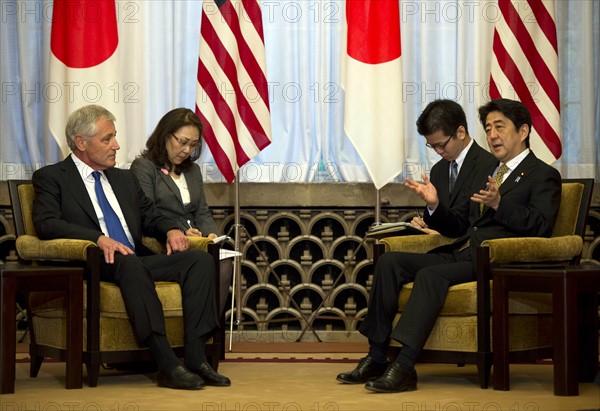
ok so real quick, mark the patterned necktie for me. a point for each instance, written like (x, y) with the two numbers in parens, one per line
(113, 224)
(453, 175)
(498, 178)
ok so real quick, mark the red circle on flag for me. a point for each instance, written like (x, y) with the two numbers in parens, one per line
(84, 33)
(373, 30)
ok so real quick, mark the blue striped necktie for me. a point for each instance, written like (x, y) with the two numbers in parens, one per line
(112, 221)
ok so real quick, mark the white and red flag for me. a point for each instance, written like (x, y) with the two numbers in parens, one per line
(232, 92)
(84, 68)
(372, 82)
(525, 68)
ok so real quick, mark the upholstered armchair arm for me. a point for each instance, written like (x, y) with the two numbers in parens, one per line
(196, 243)
(415, 243)
(32, 248)
(534, 249)
(200, 243)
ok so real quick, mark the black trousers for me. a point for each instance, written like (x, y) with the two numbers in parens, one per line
(193, 270)
(432, 274)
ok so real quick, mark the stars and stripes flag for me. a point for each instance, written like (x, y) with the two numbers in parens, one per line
(525, 68)
(84, 64)
(372, 82)
(232, 91)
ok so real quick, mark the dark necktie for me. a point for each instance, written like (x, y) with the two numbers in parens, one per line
(113, 224)
(453, 175)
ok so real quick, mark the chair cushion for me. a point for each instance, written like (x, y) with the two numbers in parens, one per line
(459, 333)
(111, 301)
(112, 304)
(462, 301)
(116, 334)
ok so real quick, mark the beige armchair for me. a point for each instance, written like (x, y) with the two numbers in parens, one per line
(462, 333)
(108, 336)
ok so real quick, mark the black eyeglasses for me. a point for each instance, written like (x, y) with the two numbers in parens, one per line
(187, 142)
(439, 146)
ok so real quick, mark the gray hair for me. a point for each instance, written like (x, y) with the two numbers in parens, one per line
(83, 122)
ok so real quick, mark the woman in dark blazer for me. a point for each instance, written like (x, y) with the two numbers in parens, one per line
(169, 176)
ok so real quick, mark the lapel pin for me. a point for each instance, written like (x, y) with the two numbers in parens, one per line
(519, 177)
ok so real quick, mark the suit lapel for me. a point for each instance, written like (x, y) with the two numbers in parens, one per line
(193, 182)
(122, 192)
(469, 163)
(444, 191)
(171, 184)
(518, 174)
(515, 176)
(462, 177)
(77, 189)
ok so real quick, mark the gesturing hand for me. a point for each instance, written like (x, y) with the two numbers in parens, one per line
(425, 190)
(490, 196)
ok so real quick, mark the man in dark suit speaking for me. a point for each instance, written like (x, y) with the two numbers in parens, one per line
(517, 197)
(86, 197)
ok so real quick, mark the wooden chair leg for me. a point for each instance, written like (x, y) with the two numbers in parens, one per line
(93, 371)
(484, 368)
(35, 363)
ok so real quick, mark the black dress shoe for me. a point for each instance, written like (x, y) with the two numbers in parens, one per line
(180, 378)
(367, 369)
(395, 379)
(210, 376)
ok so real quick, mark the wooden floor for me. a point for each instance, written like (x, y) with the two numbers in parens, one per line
(295, 377)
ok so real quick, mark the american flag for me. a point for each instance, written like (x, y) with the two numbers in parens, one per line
(525, 68)
(232, 91)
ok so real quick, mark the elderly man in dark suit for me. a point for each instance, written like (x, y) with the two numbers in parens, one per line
(517, 197)
(85, 197)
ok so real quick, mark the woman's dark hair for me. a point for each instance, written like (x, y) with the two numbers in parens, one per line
(156, 146)
(515, 111)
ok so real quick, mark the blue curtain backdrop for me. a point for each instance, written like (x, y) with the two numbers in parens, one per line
(446, 54)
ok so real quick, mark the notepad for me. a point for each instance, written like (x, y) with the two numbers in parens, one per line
(394, 229)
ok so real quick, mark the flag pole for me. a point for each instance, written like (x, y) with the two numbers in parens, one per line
(377, 207)
(238, 289)
(237, 283)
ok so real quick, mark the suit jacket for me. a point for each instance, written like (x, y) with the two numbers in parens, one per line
(63, 209)
(475, 159)
(530, 199)
(161, 189)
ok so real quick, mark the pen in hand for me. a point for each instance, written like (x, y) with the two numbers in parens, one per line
(192, 230)
(418, 221)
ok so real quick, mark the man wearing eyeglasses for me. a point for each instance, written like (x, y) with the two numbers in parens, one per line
(444, 125)
(518, 196)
